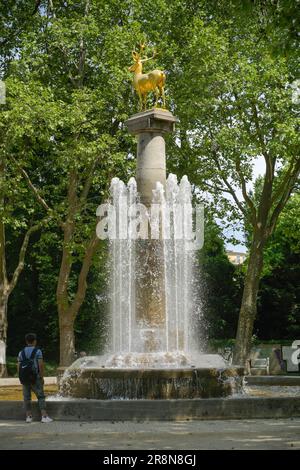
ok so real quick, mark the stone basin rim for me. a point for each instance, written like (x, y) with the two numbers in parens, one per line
(154, 369)
(156, 372)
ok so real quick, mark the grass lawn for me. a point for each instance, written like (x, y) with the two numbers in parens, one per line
(15, 392)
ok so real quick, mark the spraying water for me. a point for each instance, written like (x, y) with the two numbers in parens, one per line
(165, 330)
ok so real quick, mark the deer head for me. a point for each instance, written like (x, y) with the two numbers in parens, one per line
(137, 58)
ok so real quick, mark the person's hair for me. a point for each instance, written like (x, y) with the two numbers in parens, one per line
(30, 338)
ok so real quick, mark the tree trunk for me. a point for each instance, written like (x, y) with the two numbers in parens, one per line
(66, 320)
(249, 302)
(67, 312)
(3, 296)
(67, 308)
(67, 340)
(3, 334)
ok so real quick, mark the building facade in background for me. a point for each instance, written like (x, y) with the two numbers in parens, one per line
(236, 257)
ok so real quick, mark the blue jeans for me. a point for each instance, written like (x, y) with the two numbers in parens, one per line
(38, 390)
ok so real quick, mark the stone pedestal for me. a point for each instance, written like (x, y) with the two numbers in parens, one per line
(150, 128)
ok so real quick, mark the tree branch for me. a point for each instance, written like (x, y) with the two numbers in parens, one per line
(257, 128)
(215, 187)
(228, 185)
(82, 51)
(278, 192)
(68, 227)
(88, 183)
(82, 284)
(51, 8)
(35, 191)
(12, 284)
(246, 197)
(284, 197)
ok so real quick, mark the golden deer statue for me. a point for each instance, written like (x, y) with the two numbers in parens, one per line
(145, 83)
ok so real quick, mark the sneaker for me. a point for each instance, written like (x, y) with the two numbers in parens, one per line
(29, 419)
(46, 419)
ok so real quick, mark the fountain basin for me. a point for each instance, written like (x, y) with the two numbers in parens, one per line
(151, 383)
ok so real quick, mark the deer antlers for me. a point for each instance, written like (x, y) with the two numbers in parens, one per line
(137, 55)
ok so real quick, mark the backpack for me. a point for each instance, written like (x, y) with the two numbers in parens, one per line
(27, 371)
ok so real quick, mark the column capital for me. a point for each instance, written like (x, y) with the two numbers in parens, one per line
(153, 120)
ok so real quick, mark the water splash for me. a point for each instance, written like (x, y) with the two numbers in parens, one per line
(170, 220)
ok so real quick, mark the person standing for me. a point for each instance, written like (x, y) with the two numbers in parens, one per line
(31, 374)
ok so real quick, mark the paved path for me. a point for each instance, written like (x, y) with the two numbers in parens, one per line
(243, 434)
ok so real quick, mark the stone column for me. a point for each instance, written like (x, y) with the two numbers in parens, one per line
(150, 128)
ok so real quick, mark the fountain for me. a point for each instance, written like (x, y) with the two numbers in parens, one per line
(155, 313)
(154, 350)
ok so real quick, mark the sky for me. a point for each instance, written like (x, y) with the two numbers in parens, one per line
(259, 169)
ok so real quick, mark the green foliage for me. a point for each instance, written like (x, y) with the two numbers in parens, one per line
(279, 297)
(32, 307)
(66, 101)
(285, 241)
(226, 61)
(221, 285)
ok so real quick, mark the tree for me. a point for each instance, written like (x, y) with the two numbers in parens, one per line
(279, 295)
(235, 105)
(83, 144)
(19, 215)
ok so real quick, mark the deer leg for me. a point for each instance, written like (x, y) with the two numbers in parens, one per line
(156, 90)
(162, 94)
(145, 101)
(140, 101)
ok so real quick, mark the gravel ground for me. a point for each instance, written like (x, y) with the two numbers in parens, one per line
(239, 434)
